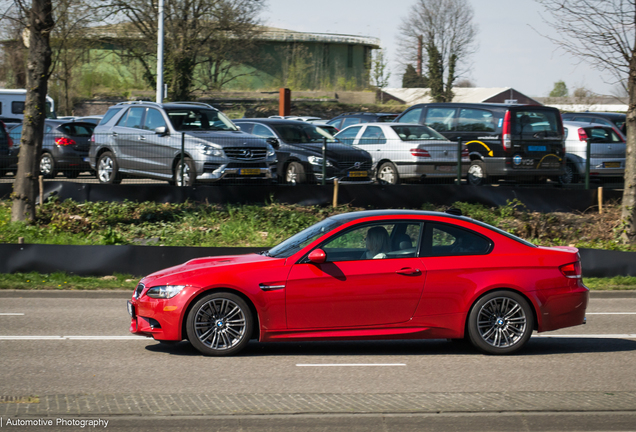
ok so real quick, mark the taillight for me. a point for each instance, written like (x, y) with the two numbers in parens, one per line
(505, 133)
(465, 152)
(572, 271)
(93, 138)
(64, 141)
(10, 142)
(582, 135)
(420, 152)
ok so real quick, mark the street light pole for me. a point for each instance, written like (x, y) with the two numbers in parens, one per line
(160, 54)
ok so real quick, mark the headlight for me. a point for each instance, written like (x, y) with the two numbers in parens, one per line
(315, 160)
(164, 292)
(210, 150)
(270, 151)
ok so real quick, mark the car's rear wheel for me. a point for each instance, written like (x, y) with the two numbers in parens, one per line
(188, 175)
(219, 324)
(500, 322)
(387, 174)
(295, 173)
(107, 169)
(47, 166)
(477, 175)
(569, 175)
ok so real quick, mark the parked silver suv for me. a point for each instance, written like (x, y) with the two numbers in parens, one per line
(147, 139)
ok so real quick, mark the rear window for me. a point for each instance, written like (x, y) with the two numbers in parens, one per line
(414, 133)
(77, 130)
(531, 123)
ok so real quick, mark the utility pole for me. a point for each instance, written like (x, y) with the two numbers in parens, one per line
(160, 54)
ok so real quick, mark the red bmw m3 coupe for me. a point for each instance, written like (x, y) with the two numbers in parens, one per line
(381, 274)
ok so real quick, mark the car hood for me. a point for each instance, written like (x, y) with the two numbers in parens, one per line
(226, 137)
(181, 272)
(337, 151)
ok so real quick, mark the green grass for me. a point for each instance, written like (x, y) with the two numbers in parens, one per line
(613, 283)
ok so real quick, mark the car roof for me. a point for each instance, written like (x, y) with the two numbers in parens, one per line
(597, 114)
(275, 121)
(583, 124)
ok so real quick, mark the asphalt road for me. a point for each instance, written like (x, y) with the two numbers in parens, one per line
(81, 346)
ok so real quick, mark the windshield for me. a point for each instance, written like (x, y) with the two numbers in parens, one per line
(303, 238)
(301, 134)
(201, 119)
(416, 133)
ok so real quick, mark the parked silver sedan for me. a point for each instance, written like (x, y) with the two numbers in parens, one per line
(403, 151)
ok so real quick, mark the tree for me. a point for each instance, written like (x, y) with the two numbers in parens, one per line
(411, 79)
(603, 33)
(442, 33)
(39, 22)
(379, 72)
(196, 32)
(559, 90)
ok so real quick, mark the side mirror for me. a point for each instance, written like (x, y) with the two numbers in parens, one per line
(317, 256)
(238, 127)
(273, 142)
(161, 130)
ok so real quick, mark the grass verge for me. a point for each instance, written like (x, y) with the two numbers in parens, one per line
(65, 281)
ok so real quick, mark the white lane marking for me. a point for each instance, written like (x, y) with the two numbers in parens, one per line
(587, 336)
(348, 364)
(610, 313)
(73, 338)
(11, 314)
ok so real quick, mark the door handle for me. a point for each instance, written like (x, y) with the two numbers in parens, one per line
(142, 138)
(409, 271)
(114, 134)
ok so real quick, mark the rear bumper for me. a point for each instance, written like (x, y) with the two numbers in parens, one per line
(561, 309)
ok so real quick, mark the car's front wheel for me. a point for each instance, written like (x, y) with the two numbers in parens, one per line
(295, 173)
(387, 174)
(185, 174)
(501, 322)
(107, 169)
(569, 175)
(477, 175)
(219, 324)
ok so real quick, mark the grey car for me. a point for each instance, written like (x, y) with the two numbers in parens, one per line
(181, 142)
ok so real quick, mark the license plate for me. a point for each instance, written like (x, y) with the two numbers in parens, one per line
(131, 309)
(445, 168)
(247, 171)
(537, 148)
(357, 173)
(611, 164)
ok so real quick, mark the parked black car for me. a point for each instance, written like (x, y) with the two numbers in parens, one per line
(350, 118)
(298, 147)
(64, 148)
(617, 120)
(8, 155)
(519, 142)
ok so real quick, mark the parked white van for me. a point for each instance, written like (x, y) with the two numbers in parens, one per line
(12, 104)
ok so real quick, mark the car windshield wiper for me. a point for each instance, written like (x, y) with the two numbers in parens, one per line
(264, 253)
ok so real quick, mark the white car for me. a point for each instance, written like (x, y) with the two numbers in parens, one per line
(607, 151)
(403, 151)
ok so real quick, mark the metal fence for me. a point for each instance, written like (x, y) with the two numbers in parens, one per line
(189, 158)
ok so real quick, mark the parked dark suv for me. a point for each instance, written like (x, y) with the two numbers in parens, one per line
(350, 118)
(298, 147)
(521, 142)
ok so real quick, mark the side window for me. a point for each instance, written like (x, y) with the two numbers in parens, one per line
(447, 240)
(153, 120)
(441, 119)
(475, 120)
(17, 107)
(373, 135)
(412, 116)
(335, 123)
(263, 131)
(109, 115)
(132, 118)
(375, 241)
(350, 121)
(16, 134)
(348, 136)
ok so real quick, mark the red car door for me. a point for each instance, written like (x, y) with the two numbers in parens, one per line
(353, 293)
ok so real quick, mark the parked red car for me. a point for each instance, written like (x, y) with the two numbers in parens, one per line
(383, 274)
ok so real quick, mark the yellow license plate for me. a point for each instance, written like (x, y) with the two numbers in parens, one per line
(357, 173)
(250, 172)
(611, 164)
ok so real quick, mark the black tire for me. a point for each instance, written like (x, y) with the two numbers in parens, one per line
(48, 168)
(477, 174)
(388, 174)
(295, 173)
(71, 174)
(219, 324)
(108, 169)
(569, 176)
(189, 173)
(501, 322)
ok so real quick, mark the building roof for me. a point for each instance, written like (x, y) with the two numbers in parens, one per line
(412, 96)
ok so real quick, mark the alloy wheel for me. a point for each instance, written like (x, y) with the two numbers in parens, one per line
(220, 324)
(502, 322)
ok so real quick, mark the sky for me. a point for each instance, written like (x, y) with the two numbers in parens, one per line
(512, 51)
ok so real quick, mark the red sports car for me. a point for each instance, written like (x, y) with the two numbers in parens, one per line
(383, 274)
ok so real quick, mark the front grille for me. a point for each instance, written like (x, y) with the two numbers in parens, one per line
(351, 166)
(246, 153)
(139, 290)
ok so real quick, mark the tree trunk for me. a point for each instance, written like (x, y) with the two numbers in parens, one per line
(628, 207)
(38, 69)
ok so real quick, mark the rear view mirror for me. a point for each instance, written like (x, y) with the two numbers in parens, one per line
(317, 256)
(161, 130)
